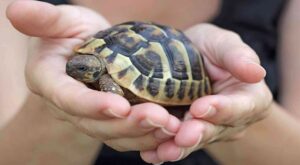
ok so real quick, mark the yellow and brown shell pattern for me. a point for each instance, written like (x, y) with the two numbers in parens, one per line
(155, 62)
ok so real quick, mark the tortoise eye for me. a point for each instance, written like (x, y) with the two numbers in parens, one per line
(82, 68)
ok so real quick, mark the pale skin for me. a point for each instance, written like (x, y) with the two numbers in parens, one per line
(99, 119)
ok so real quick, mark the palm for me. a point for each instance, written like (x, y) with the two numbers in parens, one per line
(235, 78)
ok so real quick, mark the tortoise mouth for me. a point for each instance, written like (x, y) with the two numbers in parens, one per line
(96, 75)
(70, 69)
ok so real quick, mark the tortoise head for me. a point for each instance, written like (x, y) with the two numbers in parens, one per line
(85, 68)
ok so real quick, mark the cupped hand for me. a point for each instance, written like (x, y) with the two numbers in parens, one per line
(105, 116)
(240, 97)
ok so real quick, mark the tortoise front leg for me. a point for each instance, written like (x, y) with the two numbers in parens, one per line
(107, 84)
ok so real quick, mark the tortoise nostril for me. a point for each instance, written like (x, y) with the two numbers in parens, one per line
(96, 74)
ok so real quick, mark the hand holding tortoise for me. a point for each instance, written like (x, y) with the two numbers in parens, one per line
(106, 116)
(240, 97)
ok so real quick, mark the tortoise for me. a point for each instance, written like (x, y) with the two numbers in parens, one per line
(144, 62)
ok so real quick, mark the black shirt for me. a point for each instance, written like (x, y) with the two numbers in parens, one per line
(256, 22)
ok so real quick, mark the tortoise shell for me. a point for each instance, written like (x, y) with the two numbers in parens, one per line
(155, 62)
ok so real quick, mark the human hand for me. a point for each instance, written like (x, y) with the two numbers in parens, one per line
(240, 97)
(105, 116)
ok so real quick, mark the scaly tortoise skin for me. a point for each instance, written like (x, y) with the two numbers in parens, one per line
(143, 62)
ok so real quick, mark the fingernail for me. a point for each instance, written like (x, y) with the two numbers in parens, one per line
(265, 72)
(111, 113)
(163, 134)
(168, 132)
(158, 163)
(257, 65)
(211, 111)
(147, 123)
(180, 156)
(198, 142)
(187, 116)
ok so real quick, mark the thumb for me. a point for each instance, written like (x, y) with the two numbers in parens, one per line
(40, 19)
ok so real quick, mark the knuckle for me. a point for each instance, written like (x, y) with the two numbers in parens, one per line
(62, 100)
(265, 102)
(244, 112)
(232, 35)
(30, 80)
(225, 35)
(124, 132)
(55, 111)
(249, 113)
(57, 97)
(269, 98)
(228, 116)
(33, 69)
(83, 125)
(204, 27)
(201, 32)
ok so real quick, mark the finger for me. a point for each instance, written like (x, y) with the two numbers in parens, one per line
(73, 115)
(226, 50)
(29, 17)
(209, 133)
(169, 130)
(149, 115)
(242, 107)
(143, 118)
(174, 151)
(187, 138)
(151, 156)
(169, 151)
(140, 143)
(178, 149)
(76, 99)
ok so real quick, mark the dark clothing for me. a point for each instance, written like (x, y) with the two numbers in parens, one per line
(256, 22)
(56, 2)
(111, 157)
